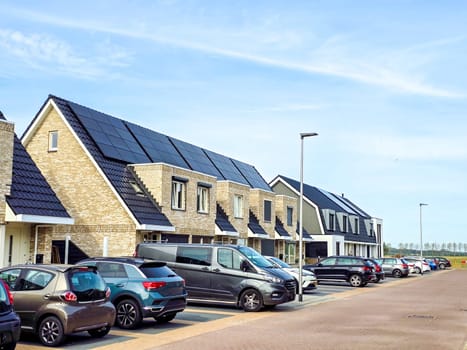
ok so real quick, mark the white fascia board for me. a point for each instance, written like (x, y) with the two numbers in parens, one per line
(361, 243)
(51, 104)
(255, 235)
(285, 238)
(219, 232)
(279, 179)
(10, 216)
(145, 227)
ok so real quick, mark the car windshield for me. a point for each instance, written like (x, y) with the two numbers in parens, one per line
(255, 257)
(279, 262)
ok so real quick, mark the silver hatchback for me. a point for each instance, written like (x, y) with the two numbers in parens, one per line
(395, 267)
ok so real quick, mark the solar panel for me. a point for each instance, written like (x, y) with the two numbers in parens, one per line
(157, 146)
(250, 173)
(110, 134)
(226, 167)
(196, 158)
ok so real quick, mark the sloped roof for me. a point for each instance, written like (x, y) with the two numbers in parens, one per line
(255, 226)
(222, 220)
(31, 194)
(279, 227)
(117, 172)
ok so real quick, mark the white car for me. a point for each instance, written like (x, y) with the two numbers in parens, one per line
(309, 280)
(417, 265)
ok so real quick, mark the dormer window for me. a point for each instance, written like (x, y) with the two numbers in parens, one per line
(267, 211)
(344, 223)
(53, 141)
(331, 221)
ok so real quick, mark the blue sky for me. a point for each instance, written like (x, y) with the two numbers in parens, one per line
(383, 83)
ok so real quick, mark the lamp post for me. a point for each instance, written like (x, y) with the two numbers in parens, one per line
(421, 235)
(300, 229)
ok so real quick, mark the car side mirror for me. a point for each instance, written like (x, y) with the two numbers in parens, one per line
(245, 266)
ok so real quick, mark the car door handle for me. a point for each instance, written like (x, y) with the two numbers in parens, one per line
(216, 270)
(119, 285)
(46, 296)
(205, 268)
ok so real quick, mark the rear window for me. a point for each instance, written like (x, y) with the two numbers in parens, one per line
(87, 284)
(157, 271)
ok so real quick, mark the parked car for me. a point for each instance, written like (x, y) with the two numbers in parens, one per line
(441, 262)
(433, 265)
(379, 273)
(355, 270)
(224, 274)
(309, 280)
(395, 267)
(141, 288)
(10, 324)
(54, 301)
(421, 265)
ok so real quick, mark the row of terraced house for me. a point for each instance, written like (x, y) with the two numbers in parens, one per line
(83, 183)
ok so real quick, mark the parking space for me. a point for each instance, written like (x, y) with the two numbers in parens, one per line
(200, 318)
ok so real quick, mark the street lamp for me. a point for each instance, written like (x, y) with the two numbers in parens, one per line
(300, 229)
(421, 235)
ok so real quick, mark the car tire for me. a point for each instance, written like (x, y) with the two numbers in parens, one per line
(356, 280)
(50, 331)
(10, 346)
(99, 332)
(251, 300)
(165, 318)
(128, 314)
(418, 270)
(442, 266)
(397, 273)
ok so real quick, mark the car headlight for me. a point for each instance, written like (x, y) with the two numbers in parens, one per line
(274, 279)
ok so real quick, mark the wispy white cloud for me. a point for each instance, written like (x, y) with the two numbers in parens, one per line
(360, 70)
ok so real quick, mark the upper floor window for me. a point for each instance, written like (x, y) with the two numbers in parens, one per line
(267, 210)
(203, 199)
(178, 195)
(356, 226)
(331, 222)
(344, 223)
(53, 141)
(289, 216)
(238, 206)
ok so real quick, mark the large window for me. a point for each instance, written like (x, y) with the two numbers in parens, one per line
(238, 206)
(267, 210)
(331, 222)
(356, 226)
(344, 223)
(290, 216)
(178, 195)
(203, 199)
(53, 141)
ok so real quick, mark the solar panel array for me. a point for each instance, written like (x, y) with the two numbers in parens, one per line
(133, 144)
(157, 146)
(111, 135)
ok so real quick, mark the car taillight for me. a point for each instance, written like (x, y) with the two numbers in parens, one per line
(366, 268)
(69, 296)
(153, 285)
(405, 266)
(10, 296)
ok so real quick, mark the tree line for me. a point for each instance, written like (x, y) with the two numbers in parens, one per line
(430, 248)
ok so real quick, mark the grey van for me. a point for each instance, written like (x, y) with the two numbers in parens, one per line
(224, 274)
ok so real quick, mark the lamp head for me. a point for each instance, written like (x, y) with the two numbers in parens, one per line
(307, 134)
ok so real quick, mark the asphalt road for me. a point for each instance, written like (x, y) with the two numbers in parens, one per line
(418, 312)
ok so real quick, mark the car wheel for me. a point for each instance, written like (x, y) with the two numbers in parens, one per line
(99, 332)
(10, 346)
(165, 318)
(128, 314)
(51, 331)
(418, 270)
(397, 273)
(356, 281)
(251, 300)
(442, 266)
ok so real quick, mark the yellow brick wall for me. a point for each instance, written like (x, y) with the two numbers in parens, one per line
(157, 178)
(257, 198)
(226, 191)
(82, 190)
(6, 163)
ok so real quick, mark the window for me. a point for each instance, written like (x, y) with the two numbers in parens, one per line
(53, 141)
(178, 195)
(344, 223)
(356, 226)
(35, 280)
(238, 206)
(229, 259)
(203, 199)
(331, 222)
(267, 211)
(290, 216)
(194, 255)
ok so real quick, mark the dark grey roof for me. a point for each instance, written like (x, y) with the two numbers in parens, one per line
(222, 220)
(280, 228)
(30, 192)
(128, 143)
(305, 233)
(254, 225)
(142, 207)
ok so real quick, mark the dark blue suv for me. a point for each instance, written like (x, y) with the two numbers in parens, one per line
(141, 288)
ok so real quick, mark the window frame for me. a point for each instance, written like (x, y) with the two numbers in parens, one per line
(202, 199)
(267, 210)
(290, 216)
(178, 197)
(53, 141)
(238, 206)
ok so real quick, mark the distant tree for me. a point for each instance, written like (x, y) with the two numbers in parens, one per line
(454, 246)
(386, 248)
(465, 247)
(443, 246)
(411, 246)
(449, 245)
